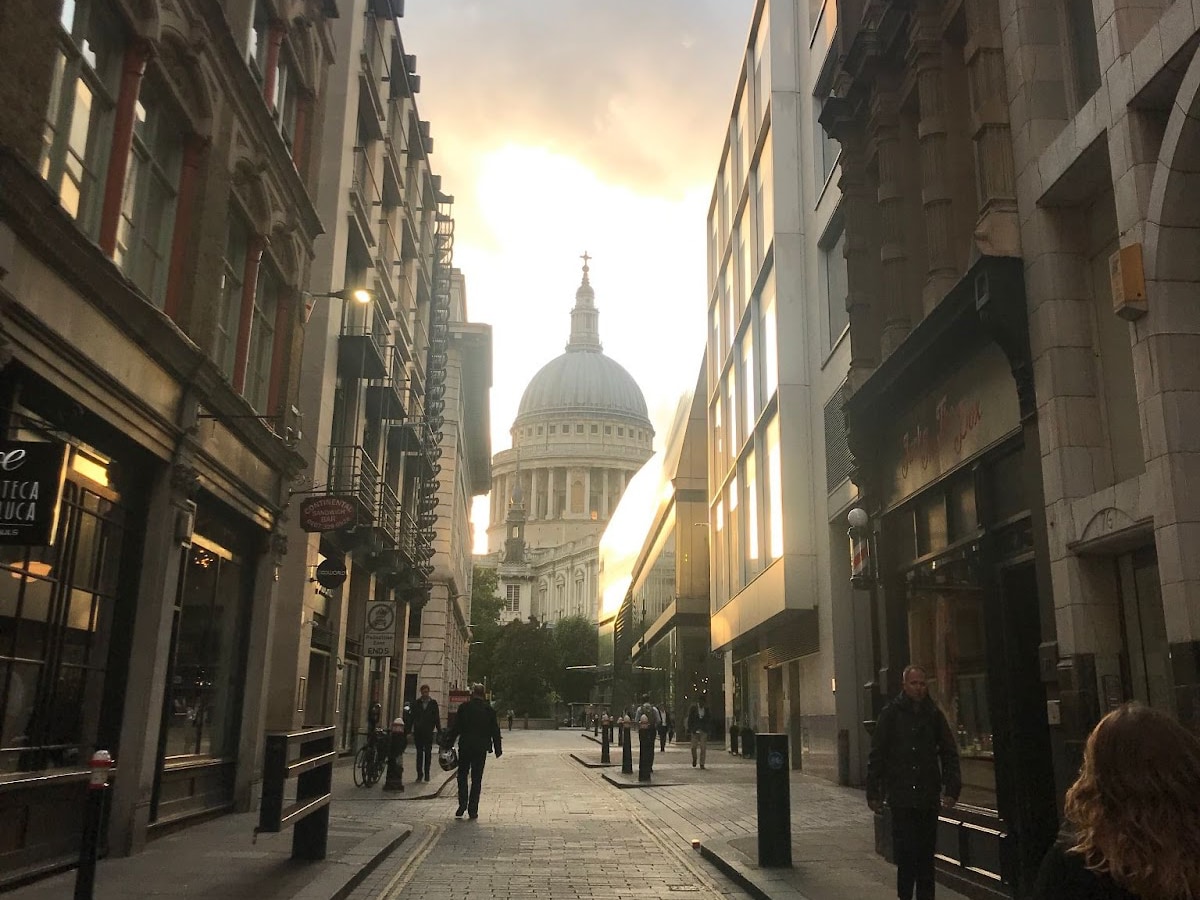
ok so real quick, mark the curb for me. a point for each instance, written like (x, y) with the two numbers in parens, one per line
(593, 765)
(720, 854)
(350, 870)
(626, 785)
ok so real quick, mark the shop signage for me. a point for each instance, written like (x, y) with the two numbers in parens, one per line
(31, 481)
(963, 415)
(327, 513)
(379, 635)
(331, 573)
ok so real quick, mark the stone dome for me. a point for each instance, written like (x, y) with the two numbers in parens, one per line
(583, 382)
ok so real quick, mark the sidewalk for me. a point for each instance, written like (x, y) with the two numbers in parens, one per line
(221, 860)
(833, 838)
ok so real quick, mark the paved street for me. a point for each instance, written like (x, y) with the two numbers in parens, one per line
(552, 825)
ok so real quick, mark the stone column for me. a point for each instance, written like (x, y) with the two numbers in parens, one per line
(925, 57)
(604, 499)
(862, 256)
(997, 227)
(587, 492)
(893, 250)
(533, 493)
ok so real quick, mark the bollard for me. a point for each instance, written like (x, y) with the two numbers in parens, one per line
(646, 739)
(774, 800)
(397, 744)
(89, 846)
(595, 727)
(733, 739)
(605, 756)
(626, 747)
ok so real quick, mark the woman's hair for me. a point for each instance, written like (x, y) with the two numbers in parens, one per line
(1134, 807)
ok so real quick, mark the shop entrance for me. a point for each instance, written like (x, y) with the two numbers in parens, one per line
(1146, 657)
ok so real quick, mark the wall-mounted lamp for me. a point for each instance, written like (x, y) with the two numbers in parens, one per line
(357, 295)
(861, 574)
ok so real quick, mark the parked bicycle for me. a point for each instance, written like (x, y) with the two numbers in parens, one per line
(371, 759)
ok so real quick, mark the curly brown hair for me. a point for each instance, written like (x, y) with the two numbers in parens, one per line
(1134, 807)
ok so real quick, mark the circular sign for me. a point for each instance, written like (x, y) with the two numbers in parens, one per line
(331, 573)
(327, 513)
(382, 617)
(775, 759)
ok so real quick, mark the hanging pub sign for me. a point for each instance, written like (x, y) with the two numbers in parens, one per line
(327, 513)
(31, 482)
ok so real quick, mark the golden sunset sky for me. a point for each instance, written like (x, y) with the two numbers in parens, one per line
(561, 126)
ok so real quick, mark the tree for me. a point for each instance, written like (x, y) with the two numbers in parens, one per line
(485, 624)
(525, 662)
(575, 642)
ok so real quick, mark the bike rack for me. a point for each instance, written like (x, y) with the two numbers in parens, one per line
(313, 770)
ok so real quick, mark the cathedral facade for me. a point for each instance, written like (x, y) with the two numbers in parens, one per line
(580, 434)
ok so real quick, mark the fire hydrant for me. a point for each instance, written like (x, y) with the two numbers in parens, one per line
(397, 744)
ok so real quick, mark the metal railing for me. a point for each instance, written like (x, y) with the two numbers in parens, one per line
(352, 472)
(387, 519)
(313, 771)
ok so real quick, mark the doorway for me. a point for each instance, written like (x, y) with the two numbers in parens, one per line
(1144, 630)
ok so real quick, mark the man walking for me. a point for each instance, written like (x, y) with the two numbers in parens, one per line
(913, 766)
(699, 726)
(426, 723)
(646, 719)
(477, 731)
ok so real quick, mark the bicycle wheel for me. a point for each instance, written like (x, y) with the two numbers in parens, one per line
(362, 766)
(380, 766)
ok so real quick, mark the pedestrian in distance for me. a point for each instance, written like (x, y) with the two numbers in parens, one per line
(663, 718)
(699, 729)
(478, 732)
(913, 767)
(426, 723)
(510, 718)
(1132, 829)
(670, 726)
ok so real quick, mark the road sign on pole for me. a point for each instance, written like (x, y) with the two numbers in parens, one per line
(379, 635)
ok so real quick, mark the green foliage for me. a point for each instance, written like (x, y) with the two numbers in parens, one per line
(526, 659)
(485, 618)
(575, 643)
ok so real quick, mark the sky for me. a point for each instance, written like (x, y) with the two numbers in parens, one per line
(565, 126)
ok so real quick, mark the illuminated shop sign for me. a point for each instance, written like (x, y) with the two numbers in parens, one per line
(31, 482)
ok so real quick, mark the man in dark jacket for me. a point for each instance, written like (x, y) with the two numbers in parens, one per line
(699, 727)
(914, 767)
(477, 731)
(426, 722)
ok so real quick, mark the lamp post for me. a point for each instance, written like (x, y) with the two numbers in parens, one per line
(863, 577)
(360, 295)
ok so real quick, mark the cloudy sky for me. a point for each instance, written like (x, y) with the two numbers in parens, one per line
(569, 125)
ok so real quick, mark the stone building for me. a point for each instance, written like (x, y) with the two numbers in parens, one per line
(580, 434)
(157, 231)
(784, 617)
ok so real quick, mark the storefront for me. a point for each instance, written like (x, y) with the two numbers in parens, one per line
(954, 497)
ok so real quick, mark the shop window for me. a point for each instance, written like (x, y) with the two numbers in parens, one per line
(56, 608)
(932, 533)
(83, 94)
(204, 688)
(964, 520)
(147, 220)
(947, 638)
(1008, 489)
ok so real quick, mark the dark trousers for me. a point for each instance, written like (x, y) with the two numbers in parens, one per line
(424, 754)
(646, 739)
(473, 765)
(662, 737)
(914, 838)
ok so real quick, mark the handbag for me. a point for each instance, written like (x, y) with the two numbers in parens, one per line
(448, 759)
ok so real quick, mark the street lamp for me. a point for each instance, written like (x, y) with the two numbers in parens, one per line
(358, 295)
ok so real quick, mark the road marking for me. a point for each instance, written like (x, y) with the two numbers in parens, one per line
(413, 862)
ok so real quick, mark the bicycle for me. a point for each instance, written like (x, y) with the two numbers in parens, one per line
(370, 760)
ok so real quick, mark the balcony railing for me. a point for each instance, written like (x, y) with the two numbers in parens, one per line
(388, 517)
(362, 349)
(353, 474)
(387, 397)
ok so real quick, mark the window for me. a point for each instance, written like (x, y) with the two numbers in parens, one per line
(595, 429)
(608, 429)
(833, 261)
(260, 30)
(620, 431)
(1082, 54)
(734, 535)
(749, 405)
(773, 492)
(750, 505)
(262, 339)
(746, 265)
(762, 70)
(286, 103)
(512, 598)
(735, 437)
(828, 150)
(718, 438)
(229, 303)
(56, 609)
(768, 353)
(203, 702)
(539, 429)
(414, 621)
(579, 429)
(764, 207)
(745, 139)
(148, 208)
(78, 133)
(552, 428)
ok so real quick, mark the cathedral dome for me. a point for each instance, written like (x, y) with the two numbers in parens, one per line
(583, 383)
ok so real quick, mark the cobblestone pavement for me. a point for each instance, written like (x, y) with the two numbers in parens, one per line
(547, 828)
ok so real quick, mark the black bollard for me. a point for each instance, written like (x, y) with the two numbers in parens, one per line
(646, 739)
(396, 745)
(626, 751)
(605, 756)
(596, 726)
(774, 800)
(733, 739)
(93, 815)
